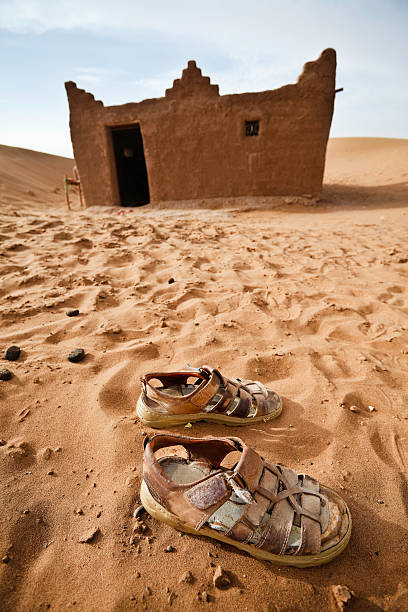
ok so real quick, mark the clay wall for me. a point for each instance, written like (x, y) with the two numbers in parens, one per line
(195, 141)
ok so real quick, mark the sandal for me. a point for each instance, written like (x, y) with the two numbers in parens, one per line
(203, 394)
(267, 510)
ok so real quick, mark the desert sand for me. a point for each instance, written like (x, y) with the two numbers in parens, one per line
(311, 300)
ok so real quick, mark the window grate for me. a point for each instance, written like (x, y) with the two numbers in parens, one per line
(251, 128)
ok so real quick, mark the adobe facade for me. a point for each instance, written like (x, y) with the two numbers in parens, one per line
(193, 143)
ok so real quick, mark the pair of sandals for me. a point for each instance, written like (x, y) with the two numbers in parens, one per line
(267, 510)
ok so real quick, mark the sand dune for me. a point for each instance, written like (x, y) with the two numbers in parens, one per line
(312, 301)
(28, 177)
(367, 161)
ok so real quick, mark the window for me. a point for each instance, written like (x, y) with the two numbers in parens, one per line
(251, 128)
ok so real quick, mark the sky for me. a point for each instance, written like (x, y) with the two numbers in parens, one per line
(128, 50)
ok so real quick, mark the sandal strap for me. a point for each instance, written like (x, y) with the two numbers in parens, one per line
(194, 503)
(284, 495)
(237, 397)
(195, 401)
(263, 486)
(248, 394)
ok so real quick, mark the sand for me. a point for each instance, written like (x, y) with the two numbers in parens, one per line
(312, 301)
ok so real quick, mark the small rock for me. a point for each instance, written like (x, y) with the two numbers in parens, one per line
(76, 355)
(72, 313)
(148, 590)
(51, 473)
(5, 374)
(172, 596)
(187, 578)
(90, 535)
(44, 453)
(342, 595)
(78, 511)
(371, 408)
(169, 549)
(2, 442)
(12, 353)
(132, 481)
(139, 527)
(138, 512)
(380, 501)
(354, 409)
(221, 579)
(5, 559)
(171, 281)
(205, 596)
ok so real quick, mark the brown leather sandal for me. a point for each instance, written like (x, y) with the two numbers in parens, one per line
(203, 394)
(267, 510)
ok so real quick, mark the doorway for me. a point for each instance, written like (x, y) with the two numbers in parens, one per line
(130, 165)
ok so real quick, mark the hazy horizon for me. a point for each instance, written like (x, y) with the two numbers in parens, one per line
(127, 52)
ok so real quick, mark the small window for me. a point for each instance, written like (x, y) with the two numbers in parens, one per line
(251, 128)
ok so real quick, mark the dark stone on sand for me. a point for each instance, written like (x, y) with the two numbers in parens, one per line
(170, 281)
(12, 353)
(5, 374)
(72, 313)
(76, 355)
(169, 549)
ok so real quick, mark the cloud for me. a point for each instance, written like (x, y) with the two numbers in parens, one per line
(94, 76)
(369, 34)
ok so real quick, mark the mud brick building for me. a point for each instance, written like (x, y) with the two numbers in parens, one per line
(194, 143)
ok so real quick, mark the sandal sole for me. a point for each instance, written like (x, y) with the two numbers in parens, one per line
(161, 514)
(171, 420)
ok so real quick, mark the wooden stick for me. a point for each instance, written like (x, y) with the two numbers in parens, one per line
(66, 187)
(80, 195)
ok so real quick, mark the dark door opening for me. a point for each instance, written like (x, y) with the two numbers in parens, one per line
(130, 166)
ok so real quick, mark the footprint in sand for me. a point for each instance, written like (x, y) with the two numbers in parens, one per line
(27, 540)
(331, 366)
(391, 447)
(19, 453)
(62, 236)
(274, 367)
(121, 383)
